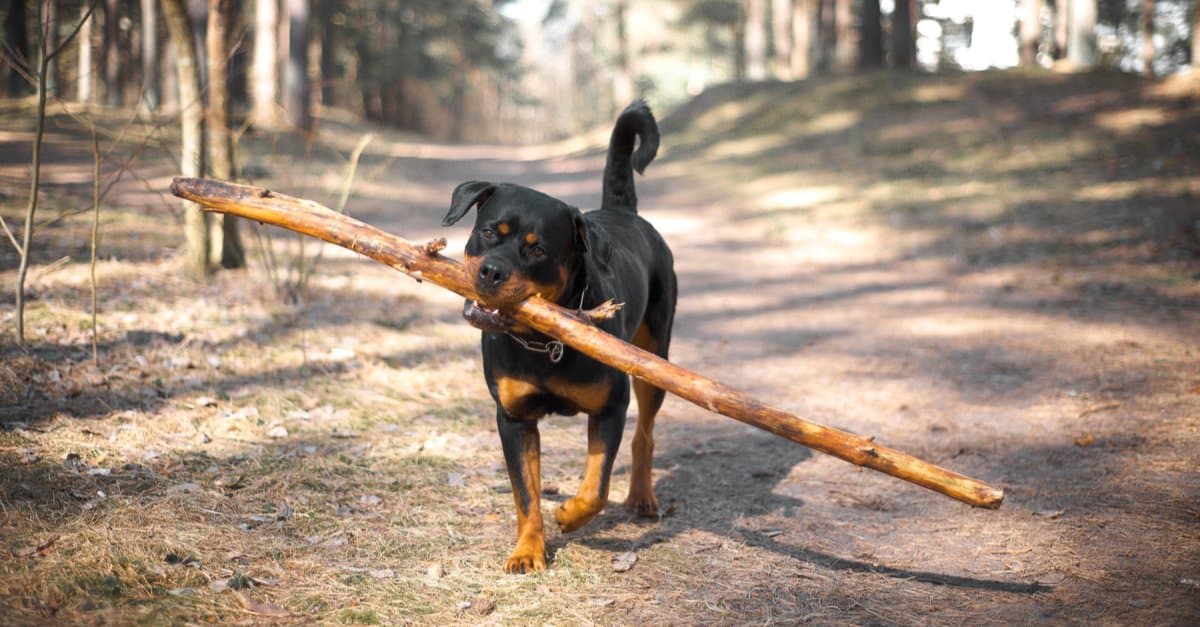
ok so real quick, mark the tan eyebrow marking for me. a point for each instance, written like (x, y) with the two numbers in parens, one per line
(504, 228)
(531, 238)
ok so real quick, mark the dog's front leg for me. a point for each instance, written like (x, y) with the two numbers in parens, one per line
(604, 438)
(522, 455)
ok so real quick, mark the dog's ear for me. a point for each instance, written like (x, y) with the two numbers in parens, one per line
(581, 233)
(466, 196)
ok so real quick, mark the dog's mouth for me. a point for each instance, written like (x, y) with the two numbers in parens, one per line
(486, 318)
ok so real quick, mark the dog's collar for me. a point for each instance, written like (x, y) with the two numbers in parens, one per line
(553, 349)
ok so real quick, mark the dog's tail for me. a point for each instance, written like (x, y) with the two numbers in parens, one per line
(635, 122)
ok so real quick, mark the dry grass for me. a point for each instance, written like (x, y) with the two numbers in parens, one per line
(994, 272)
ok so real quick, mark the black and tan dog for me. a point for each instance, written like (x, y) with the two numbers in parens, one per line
(526, 243)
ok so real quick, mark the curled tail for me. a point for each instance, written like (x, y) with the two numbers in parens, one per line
(635, 122)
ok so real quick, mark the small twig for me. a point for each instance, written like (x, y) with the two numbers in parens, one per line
(434, 246)
(1099, 408)
(602, 312)
(347, 186)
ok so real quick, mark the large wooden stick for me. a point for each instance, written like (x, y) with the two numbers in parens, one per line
(424, 263)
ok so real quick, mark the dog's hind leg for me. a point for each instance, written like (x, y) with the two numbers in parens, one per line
(641, 499)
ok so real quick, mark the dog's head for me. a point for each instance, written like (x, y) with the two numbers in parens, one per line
(524, 243)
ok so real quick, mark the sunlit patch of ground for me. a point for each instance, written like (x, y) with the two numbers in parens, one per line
(996, 272)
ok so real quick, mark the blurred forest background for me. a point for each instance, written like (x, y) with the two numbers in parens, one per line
(967, 226)
(522, 71)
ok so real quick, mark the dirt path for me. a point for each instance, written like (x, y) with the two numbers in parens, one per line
(1002, 299)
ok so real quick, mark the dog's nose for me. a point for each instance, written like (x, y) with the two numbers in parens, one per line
(491, 275)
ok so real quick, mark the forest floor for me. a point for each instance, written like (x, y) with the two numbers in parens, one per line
(998, 272)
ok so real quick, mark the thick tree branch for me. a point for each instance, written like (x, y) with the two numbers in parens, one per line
(426, 264)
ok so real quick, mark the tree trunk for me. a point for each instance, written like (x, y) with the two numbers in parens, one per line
(1030, 31)
(1081, 37)
(191, 107)
(623, 68)
(826, 41)
(845, 47)
(1195, 59)
(295, 78)
(112, 53)
(756, 40)
(16, 52)
(802, 37)
(574, 329)
(903, 48)
(150, 82)
(1148, 38)
(49, 28)
(265, 77)
(738, 32)
(226, 250)
(781, 32)
(327, 36)
(870, 35)
(84, 81)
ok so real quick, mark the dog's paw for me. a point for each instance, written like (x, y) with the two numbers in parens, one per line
(644, 505)
(521, 562)
(575, 513)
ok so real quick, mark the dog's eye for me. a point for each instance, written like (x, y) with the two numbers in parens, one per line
(537, 252)
(487, 234)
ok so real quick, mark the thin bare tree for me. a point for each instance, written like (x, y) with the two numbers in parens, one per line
(196, 251)
(46, 56)
(265, 84)
(296, 93)
(227, 250)
(85, 78)
(150, 82)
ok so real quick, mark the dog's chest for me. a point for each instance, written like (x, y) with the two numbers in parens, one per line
(533, 398)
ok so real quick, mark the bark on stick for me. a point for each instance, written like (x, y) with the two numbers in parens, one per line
(424, 263)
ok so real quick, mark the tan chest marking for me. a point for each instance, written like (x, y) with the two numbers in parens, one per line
(588, 397)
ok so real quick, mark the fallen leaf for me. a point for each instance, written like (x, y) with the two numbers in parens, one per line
(259, 607)
(434, 572)
(1048, 513)
(624, 561)
(278, 432)
(1084, 440)
(218, 585)
(601, 601)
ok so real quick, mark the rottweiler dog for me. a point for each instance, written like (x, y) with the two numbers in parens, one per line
(526, 243)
